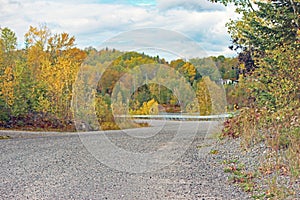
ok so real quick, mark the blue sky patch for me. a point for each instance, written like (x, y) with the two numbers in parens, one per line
(128, 2)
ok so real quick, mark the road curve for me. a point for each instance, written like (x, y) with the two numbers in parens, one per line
(60, 166)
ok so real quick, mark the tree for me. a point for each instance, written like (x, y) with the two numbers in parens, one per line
(267, 37)
(204, 97)
(53, 62)
(271, 25)
(8, 44)
(187, 69)
(8, 40)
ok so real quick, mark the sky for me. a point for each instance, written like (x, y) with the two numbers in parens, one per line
(93, 22)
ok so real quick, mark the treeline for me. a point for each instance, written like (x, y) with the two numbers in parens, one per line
(37, 82)
(146, 87)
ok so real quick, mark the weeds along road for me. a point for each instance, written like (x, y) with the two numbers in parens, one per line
(63, 166)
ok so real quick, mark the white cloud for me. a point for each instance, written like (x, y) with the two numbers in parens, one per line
(198, 5)
(92, 23)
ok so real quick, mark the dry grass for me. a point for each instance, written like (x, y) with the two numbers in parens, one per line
(281, 133)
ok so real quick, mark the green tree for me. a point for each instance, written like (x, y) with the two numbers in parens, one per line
(8, 40)
(8, 44)
(270, 25)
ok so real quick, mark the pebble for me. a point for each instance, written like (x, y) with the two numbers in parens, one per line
(58, 166)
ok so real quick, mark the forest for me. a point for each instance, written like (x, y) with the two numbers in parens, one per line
(38, 82)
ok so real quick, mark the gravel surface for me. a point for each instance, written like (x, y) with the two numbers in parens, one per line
(60, 166)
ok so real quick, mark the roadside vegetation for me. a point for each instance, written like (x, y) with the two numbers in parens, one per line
(267, 37)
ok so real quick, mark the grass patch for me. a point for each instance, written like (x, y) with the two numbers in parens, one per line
(213, 152)
(4, 137)
(279, 131)
(203, 146)
(239, 176)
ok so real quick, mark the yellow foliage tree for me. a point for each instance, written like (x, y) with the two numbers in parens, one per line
(7, 90)
(148, 108)
(203, 96)
(54, 62)
(211, 97)
(8, 42)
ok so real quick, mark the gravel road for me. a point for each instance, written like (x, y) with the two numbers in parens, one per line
(63, 166)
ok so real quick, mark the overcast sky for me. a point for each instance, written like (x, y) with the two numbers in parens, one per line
(94, 21)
